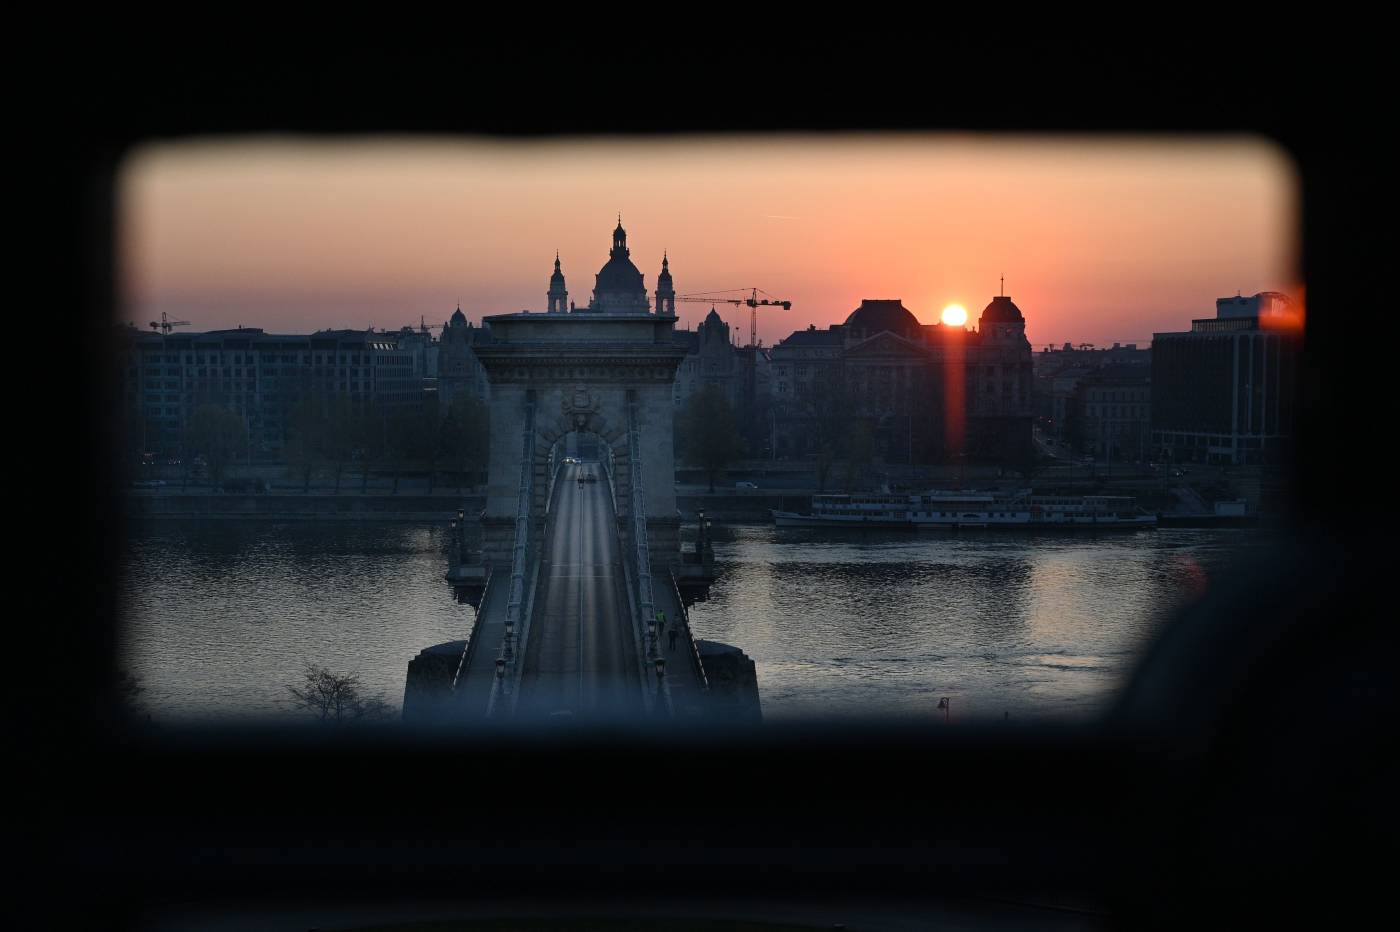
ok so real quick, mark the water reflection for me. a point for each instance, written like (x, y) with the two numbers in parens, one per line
(220, 616)
(1025, 625)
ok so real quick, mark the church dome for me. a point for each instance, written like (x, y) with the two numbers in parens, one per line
(874, 316)
(619, 274)
(458, 319)
(558, 277)
(1002, 311)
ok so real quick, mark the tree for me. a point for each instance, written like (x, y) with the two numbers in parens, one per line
(473, 420)
(452, 441)
(128, 688)
(830, 409)
(1029, 461)
(710, 433)
(337, 434)
(859, 449)
(217, 434)
(402, 443)
(303, 449)
(371, 439)
(335, 699)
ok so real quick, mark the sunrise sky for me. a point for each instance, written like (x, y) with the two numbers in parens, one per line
(1100, 240)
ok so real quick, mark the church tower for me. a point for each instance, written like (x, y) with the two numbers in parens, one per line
(619, 288)
(665, 291)
(558, 295)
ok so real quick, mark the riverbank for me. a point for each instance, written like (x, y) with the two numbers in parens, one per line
(320, 504)
(297, 506)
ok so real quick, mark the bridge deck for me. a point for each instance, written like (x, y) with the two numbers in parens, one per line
(581, 658)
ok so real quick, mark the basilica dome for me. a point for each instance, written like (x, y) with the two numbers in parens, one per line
(619, 274)
(619, 288)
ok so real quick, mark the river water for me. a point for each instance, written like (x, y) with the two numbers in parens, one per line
(220, 616)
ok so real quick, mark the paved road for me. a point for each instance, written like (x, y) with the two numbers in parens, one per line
(581, 656)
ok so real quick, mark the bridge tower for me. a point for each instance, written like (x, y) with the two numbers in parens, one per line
(581, 372)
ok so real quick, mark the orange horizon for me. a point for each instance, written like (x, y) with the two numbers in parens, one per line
(1100, 241)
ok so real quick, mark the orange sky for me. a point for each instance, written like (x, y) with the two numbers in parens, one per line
(1100, 240)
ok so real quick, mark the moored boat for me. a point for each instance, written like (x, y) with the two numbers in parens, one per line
(952, 510)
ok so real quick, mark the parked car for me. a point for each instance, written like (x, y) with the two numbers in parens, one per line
(745, 485)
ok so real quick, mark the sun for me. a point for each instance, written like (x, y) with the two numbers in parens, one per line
(954, 315)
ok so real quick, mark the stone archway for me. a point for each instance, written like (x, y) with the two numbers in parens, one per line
(580, 372)
(582, 421)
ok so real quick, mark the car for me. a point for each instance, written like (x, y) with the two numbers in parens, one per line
(592, 478)
(1178, 472)
(745, 485)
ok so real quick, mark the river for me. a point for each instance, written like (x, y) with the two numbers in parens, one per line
(221, 616)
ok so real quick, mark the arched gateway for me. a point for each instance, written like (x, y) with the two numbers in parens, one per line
(581, 372)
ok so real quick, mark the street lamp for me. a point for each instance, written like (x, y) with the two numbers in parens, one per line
(660, 670)
(500, 667)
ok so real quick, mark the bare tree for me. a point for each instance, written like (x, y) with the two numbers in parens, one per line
(128, 688)
(336, 699)
(711, 433)
(217, 433)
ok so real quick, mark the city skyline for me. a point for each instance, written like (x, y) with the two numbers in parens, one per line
(1098, 241)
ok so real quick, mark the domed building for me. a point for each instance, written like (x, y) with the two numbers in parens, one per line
(459, 372)
(619, 287)
(881, 316)
(926, 392)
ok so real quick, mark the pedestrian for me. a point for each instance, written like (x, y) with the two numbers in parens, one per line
(660, 623)
(672, 643)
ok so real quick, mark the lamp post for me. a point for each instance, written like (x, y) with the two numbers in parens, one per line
(660, 671)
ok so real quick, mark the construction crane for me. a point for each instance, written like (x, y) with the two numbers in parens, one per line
(753, 302)
(166, 324)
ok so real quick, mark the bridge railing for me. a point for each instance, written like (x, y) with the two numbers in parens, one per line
(513, 641)
(608, 466)
(474, 639)
(646, 601)
(694, 652)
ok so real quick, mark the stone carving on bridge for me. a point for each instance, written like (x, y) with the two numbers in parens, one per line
(579, 405)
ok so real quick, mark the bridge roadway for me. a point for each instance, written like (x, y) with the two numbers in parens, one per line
(581, 656)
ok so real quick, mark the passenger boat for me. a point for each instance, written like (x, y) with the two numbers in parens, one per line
(951, 510)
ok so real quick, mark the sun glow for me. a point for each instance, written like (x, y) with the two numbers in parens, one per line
(954, 315)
